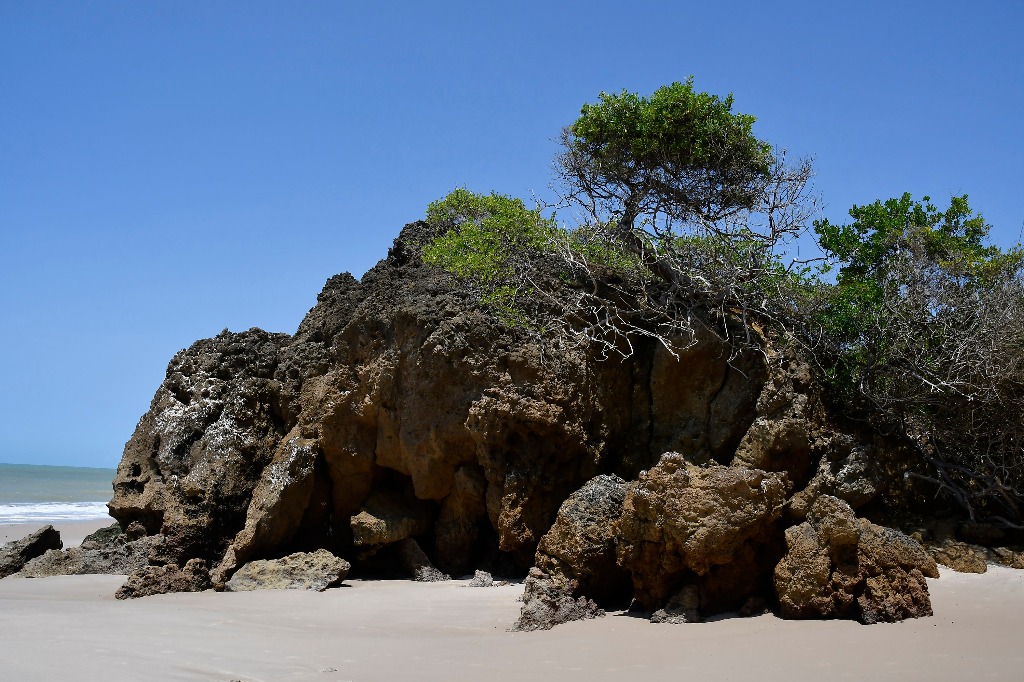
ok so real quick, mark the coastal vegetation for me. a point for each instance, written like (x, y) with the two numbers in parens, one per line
(686, 222)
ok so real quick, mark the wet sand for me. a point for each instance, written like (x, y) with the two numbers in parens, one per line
(71, 627)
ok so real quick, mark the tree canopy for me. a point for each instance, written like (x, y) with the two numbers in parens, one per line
(677, 154)
(914, 320)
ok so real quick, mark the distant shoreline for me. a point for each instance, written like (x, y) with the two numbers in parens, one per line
(57, 466)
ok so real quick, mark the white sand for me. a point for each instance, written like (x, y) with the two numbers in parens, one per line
(72, 628)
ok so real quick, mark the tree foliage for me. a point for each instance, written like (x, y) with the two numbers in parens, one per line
(923, 332)
(490, 241)
(676, 154)
(681, 182)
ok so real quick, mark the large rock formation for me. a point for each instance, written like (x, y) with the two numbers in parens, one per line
(399, 387)
(403, 427)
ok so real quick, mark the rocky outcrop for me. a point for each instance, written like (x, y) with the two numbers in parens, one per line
(314, 571)
(549, 602)
(400, 409)
(14, 555)
(190, 469)
(839, 566)
(106, 551)
(407, 430)
(683, 524)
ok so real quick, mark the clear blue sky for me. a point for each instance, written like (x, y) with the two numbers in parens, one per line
(169, 169)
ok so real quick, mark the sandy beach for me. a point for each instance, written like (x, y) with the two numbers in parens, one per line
(71, 532)
(71, 627)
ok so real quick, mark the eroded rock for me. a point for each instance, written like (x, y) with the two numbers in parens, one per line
(14, 555)
(580, 546)
(314, 571)
(106, 551)
(839, 566)
(548, 602)
(680, 521)
(194, 577)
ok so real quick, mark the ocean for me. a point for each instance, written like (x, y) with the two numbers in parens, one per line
(31, 493)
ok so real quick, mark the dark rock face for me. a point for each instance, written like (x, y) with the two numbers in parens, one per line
(14, 555)
(106, 551)
(839, 566)
(684, 524)
(191, 467)
(580, 547)
(548, 602)
(416, 563)
(300, 571)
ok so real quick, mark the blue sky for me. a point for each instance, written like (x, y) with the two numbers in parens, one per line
(171, 169)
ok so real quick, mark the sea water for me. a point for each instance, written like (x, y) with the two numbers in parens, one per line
(31, 493)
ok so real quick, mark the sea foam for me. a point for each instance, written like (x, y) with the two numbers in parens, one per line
(52, 512)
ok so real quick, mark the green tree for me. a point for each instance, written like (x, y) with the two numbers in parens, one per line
(677, 154)
(924, 332)
(680, 181)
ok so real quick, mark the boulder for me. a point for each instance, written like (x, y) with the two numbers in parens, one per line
(194, 577)
(961, 556)
(548, 602)
(14, 555)
(106, 551)
(839, 566)
(300, 571)
(580, 546)
(680, 521)
(481, 579)
(683, 607)
(1006, 556)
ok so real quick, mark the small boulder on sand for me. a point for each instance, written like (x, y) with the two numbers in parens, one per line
(300, 571)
